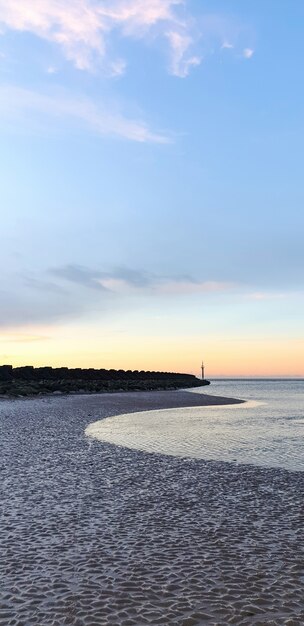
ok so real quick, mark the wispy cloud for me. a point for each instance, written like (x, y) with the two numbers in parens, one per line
(82, 28)
(248, 53)
(87, 31)
(124, 280)
(267, 295)
(181, 61)
(183, 287)
(73, 291)
(79, 275)
(23, 306)
(226, 45)
(52, 70)
(97, 279)
(101, 119)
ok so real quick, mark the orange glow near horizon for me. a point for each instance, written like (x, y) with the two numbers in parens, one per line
(233, 357)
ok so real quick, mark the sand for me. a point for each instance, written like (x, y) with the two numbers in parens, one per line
(93, 534)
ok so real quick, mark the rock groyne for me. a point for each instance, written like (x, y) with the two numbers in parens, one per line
(29, 380)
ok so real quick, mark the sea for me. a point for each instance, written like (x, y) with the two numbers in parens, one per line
(267, 430)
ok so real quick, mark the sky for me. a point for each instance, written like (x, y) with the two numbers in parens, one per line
(152, 185)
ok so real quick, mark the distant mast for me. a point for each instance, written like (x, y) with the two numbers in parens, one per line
(203, 370)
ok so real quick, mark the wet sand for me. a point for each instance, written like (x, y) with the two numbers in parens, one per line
(93, 534)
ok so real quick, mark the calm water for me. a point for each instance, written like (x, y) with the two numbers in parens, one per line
(267, 431)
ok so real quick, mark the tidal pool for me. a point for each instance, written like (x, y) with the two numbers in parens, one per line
(266, 432)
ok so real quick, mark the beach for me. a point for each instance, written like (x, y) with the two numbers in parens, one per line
(94, 534)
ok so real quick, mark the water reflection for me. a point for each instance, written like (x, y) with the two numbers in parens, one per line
(267, 431)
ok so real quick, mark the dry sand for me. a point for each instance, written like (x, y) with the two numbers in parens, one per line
(92, 534)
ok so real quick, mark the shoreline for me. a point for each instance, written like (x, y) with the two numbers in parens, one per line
(176, 398)
(95, 533)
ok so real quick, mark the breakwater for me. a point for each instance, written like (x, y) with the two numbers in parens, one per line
(29, 380)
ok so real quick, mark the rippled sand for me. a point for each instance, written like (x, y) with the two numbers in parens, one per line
(93, 534)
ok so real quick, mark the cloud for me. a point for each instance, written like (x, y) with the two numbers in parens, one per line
(52, 70)
(73, 291)
(88, 31)
(80, 276)
(182, 287)
(83, 28)
(181, 62)
(265, 295)
(248, 53)
(22, 306)
(101, 119)
(227, 46)
(127, 281)
(120, 279)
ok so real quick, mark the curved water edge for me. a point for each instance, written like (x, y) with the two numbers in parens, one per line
(258, 432)
(104, 534)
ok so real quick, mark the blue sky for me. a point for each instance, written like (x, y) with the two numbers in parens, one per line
(151, 166)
